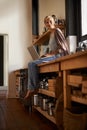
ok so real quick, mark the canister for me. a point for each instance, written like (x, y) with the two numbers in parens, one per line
(50, 108)
(44, 104)
(35, 100)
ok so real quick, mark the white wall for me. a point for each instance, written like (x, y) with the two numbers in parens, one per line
(15, 20)
(49, 7)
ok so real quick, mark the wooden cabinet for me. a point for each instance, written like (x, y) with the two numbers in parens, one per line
(71, 73)
(46, 68)
(40, 109)
(18, 83)
(74, 69)
(21, 82)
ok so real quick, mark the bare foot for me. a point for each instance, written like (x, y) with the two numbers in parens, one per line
(28, 94)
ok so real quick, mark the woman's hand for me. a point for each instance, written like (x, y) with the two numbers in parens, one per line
(42, 56)
(48, 55)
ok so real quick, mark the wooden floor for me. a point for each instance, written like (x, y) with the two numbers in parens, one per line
(14, 116)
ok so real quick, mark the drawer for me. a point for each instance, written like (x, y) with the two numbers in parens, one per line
(56, 85)
(76, 79)
(52, 83)
(49, 68)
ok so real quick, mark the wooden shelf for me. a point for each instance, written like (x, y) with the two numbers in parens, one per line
(46, 92)
(42, 38)
(74, 84)
(79, 99)
(44, 113)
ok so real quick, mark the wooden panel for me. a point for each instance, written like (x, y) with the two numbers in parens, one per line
(47, 92)
(84, 87)
(73, 63)
(42, 38)
(76, 79)
(66, 90)
(52, 83)
(79, 99)
(49, 68)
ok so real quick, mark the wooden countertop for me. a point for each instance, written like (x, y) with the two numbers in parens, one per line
(78, 59)
(71, 56)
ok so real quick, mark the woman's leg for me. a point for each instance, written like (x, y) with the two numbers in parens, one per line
(33, 79)
(33, 74)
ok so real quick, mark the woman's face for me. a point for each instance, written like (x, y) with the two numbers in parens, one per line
(49, 23)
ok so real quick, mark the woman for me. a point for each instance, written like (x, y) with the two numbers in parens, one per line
(57, 47)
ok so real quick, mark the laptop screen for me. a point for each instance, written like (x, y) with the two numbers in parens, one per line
(33, 52)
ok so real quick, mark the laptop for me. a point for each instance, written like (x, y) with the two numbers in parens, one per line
(35, 56)
(33, 52)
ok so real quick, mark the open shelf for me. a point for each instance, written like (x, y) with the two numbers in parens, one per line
(44, 37)
(44, 113)
(47, 92)
(74, 84)
(79, 99)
